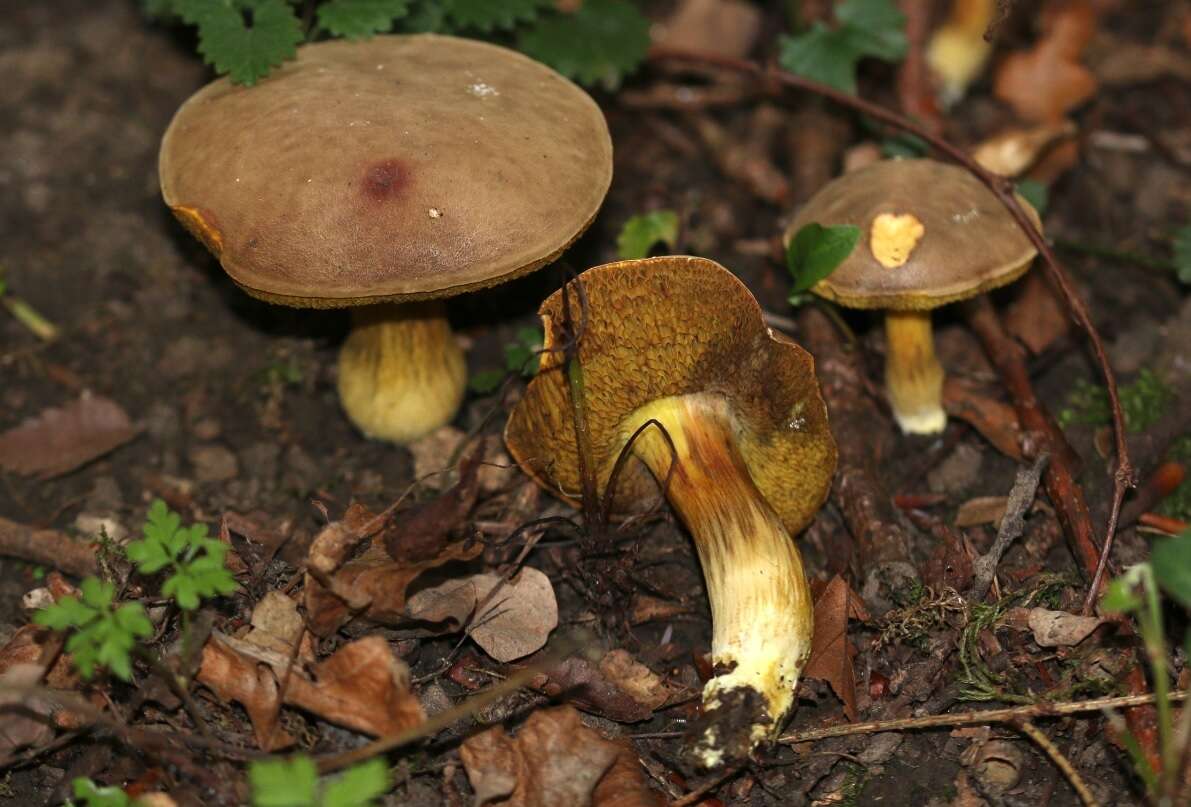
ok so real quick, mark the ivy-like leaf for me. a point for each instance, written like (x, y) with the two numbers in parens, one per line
(641, 232)
(243, 38)
(816, 251)
(357, 19)
(601, 42)
(487, 15)
(865, 28)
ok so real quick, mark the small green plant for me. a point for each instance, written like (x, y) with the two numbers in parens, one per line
(294, 783)
(641, 232)
(864, 28)
(1182, 254)
(103, 634)
(814, 253)
(92, 795)
(599, 42)
(195, 560)
(1143, 402)
(1137, 593)
(522, 356)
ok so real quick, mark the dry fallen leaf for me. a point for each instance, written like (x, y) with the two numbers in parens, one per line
(236, 677)
(554, 760)
(61, 439)
(726, 27)
(277, 626)
(831, 652)
(1011, 153)
(1036, 317)
(618, 687)
(995, 420)
(1045, 83)
(514, 622)
(1054, 628)
(981, 510)
(422, 532)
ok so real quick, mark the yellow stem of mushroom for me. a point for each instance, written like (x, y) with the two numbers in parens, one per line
(761, 606)
(401, 372)
(913, 375)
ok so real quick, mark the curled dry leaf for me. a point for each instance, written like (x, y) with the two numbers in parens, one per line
(432, 453)
(511, 619)
(1047, 82)
(1054, 628)
(995, 420)
(423, 531)
(61, 439)
(981, 510)
(1011, 153)
(277, 626)
(554, 760)
(726, 27)
(235, 677)
(618, 687)
(831, 652)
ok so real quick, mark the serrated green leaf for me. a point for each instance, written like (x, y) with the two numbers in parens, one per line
(131, 617)
(865, 28)
(428, 17)
(641, 232)
(1035, 193)
(148, 556)
(487, 15)
(1171, 562)
(68, 612)
(359, 786)
(1182, 254)
(283, 783)
(96, 593)
(876, 27)
(357, 19)
(816, 251)
(182, 589)
(92, 795)
(243, 38)
(603, 41)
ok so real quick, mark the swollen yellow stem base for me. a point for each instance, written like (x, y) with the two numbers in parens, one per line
(913, 375)
(761, 606)
(401, 372)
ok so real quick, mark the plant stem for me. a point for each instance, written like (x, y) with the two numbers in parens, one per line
(1061, 762)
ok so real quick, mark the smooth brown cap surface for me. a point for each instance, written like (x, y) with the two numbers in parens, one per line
(969, 241)
(397, 168)
(675, 326)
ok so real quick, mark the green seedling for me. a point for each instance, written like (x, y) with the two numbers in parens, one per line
(195, 561)
(26, 314)
(522, 356)
(830, 55)
(103, 634)
(601, 41)
(641, 232)
(814, 253)
(1143, 402)
(294, 783)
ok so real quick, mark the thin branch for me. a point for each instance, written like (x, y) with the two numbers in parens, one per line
(1012, 525)
(1061, 762)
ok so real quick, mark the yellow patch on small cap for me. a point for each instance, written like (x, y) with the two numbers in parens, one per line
(893, 237)
(200, 225)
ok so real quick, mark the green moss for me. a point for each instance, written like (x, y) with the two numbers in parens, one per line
(1143, 402)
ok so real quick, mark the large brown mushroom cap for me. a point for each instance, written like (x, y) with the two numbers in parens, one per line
(675, 326)
(398, 168)
(969, 242)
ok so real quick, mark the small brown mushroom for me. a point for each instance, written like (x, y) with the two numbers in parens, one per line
(931, 234)
(734, 423)
(384, 175)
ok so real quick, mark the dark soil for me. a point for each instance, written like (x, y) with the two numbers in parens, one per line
(237, 404)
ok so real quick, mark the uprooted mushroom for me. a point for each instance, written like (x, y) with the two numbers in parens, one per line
(726, 415)
(383, 176)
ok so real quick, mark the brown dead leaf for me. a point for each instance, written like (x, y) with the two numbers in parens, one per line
(981, 510)
(1011, 153)
(1053, 628)
(1036, 317)
(1047, 82)
(421, 532)
(25, 718)
(995, 420)
(831, 652)
(64, 438)
(618, 687)
(554, 760)
(235, 677)
(277, 626)
(513, 622)
(726, 27)
(432, 453)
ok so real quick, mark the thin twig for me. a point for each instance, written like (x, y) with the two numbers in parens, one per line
(1061, 762)
(1012, 525)
(1007, 715)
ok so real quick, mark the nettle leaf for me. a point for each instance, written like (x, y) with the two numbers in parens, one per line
(283, 783)
(601, 42)
(357, 19)
(489, 14)
(359, 786)
(243, 38)
(1171, 562)
(865, 28)
(1182, 254)
(815, 252)
(641, 232)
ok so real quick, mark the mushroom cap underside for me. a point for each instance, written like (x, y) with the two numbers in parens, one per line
(961, 241)
(674, 326)
(397, 168)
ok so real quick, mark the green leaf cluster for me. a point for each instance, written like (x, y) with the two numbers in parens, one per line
(642, 231)
(864, 28)
(600, 42)
(103, 634)
(294, 783)
(1143, 402)
(522, 355)
(814, 253)
(194, 559)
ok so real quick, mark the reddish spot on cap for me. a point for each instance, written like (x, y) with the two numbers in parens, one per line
(383, 180)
